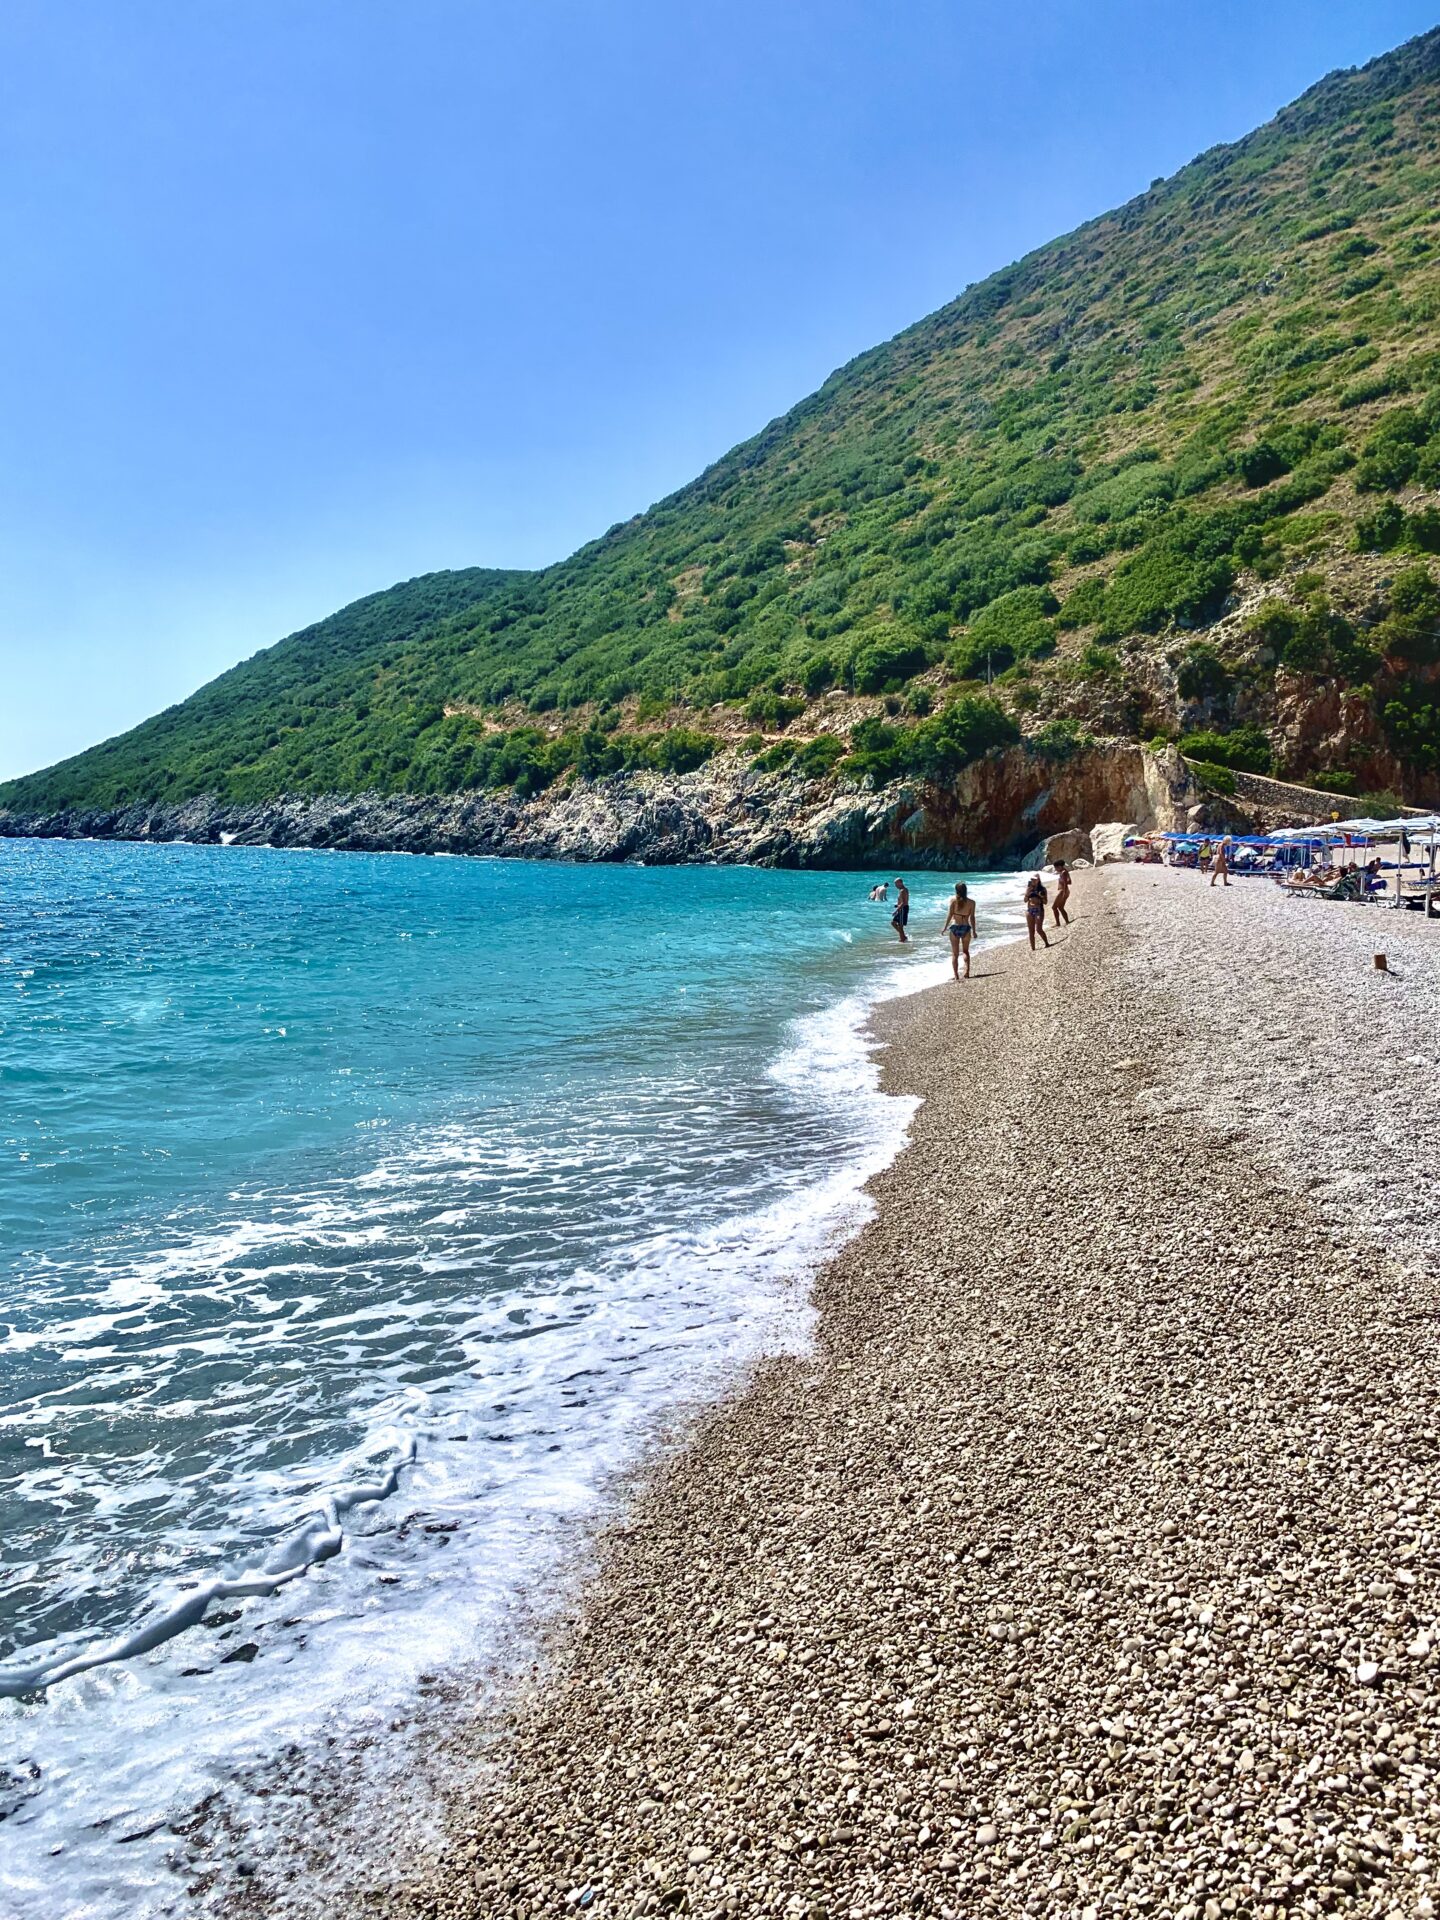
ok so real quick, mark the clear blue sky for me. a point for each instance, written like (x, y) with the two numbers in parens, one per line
(303, 297)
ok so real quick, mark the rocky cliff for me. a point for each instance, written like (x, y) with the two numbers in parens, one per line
(990, 814)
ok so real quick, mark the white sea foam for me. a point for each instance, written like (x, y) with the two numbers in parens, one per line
(544, 1393)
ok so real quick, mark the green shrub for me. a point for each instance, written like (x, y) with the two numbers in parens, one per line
(1415, 593)
(1376, 387)
(1391, 455)
(1412, 725)
(1378, 532)
(1083, 606)
(1017, 626)
(1410, 631)
(1273, 624)
(881, 665)
(1257, 466)
(1181, 575)
(1333, 781)
(1059, 739)
(1097, 662)
(1202, 674)
(820, 756)
(682, 749)
(772, 711)
(817, 673)
(1390, 528)
(1246, 748)
(1120, 496)
(1324, 642)
(1219, 779)
(932, 749)
(775, 758)
(1381, 805)
(920, 702)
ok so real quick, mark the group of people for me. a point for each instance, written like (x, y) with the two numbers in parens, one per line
(960, 914)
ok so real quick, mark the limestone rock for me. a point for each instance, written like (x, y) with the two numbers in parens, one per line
(725, 812)
(1072, 844)
(1108, 840)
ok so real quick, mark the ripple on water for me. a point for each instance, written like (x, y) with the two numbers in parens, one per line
(319, 1349)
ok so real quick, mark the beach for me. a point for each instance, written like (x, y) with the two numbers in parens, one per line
(1085, 1564)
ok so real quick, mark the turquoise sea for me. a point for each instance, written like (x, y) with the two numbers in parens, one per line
(360, 1218)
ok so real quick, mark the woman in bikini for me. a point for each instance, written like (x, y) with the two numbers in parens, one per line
(1062, 893)
(960, 925)
(1035, 910)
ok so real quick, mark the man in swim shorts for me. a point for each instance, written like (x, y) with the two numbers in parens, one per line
(901, 915)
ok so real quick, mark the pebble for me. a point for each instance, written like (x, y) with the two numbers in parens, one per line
(1083, 1519)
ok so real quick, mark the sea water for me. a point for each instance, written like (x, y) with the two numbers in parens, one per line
(360, 1218)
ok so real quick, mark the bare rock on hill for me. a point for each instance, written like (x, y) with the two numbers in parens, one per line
(984, 815)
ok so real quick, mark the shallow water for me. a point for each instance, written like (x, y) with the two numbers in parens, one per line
(359, 1217)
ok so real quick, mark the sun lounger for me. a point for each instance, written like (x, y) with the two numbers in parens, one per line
(1350, 886)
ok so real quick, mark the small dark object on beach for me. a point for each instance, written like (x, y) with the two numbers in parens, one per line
(1382, 964)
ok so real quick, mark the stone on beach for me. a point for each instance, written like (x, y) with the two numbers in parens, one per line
(1072, 846)
(1099, 1528)
(1107, 841)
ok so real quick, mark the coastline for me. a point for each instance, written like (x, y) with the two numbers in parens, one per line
(258, 1828)
(988, 814)
(1083, 1564)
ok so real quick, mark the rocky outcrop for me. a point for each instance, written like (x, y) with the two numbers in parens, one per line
(724, 813)
(1323, 723)
(1072, 845)
(1108, 840)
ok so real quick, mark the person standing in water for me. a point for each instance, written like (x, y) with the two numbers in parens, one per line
(901, 915)
(960, 925)
(1035, 910)
(1062, 893)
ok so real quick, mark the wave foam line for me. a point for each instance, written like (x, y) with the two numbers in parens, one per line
(320, 1539)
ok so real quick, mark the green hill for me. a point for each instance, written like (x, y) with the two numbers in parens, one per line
(1177, 473)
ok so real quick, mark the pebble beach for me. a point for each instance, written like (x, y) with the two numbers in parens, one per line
(1087, 1563)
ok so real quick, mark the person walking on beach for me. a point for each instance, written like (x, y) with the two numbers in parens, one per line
(901, 915)
(1220, 866)
(960, 925)
(1035, 910)
(1062, 893)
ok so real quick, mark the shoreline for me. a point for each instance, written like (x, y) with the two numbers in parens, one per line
(447, 1737)
(343, 1790)
(1004, 1596)
(989, 815)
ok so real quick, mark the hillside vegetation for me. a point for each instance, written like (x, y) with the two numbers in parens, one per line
(1176, 474)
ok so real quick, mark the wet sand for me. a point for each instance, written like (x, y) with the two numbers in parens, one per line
(1088, 1564)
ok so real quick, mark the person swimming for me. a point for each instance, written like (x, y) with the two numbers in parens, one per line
(960, 925)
